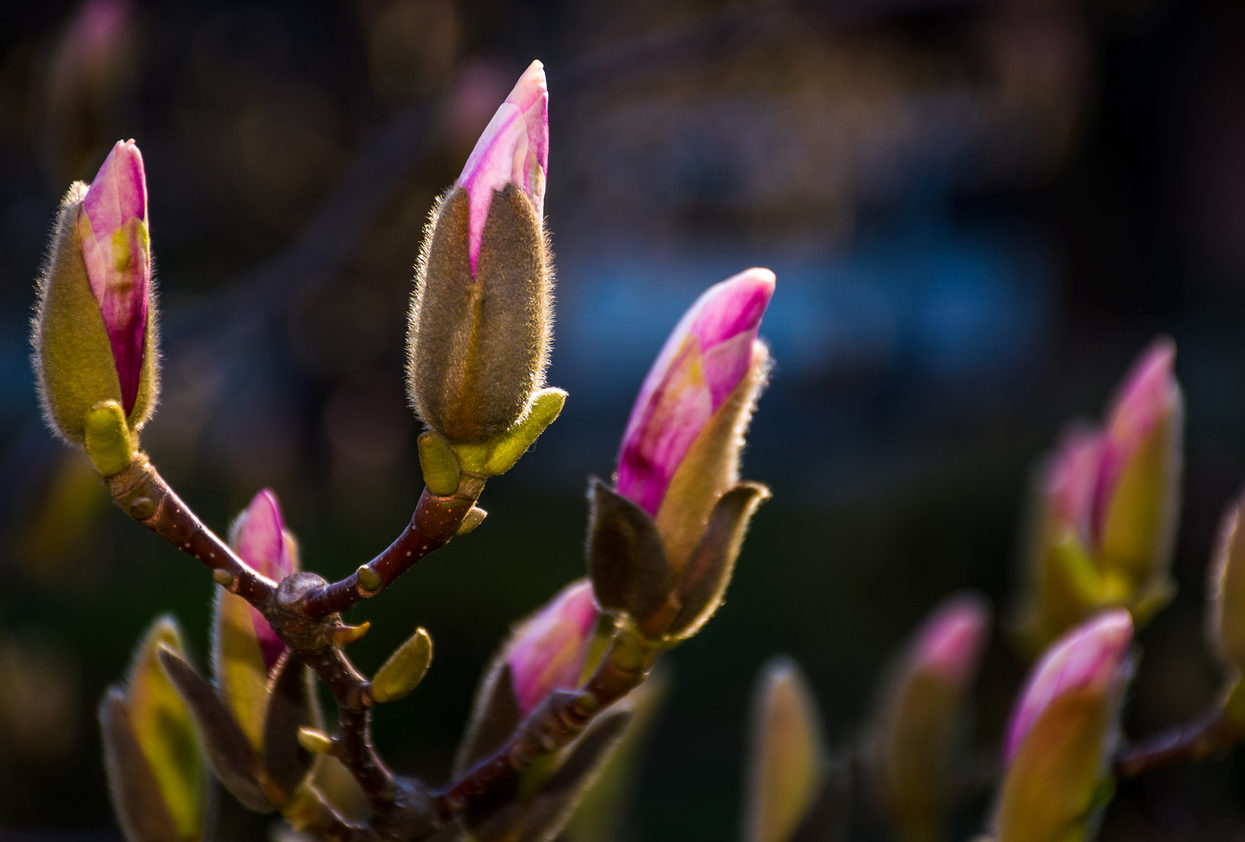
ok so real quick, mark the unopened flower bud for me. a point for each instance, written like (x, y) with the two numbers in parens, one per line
(680, 451)
(94, 331)
(1063, 731)
(1227, 593)
(481, 315)
(548, 650)
(245, 649)
(915, 757)
(1108, 501)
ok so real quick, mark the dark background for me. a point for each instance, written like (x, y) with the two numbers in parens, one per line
(978, 212)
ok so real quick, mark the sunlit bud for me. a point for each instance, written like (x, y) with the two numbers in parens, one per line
(156, 770)
(680, 451)
(1227, 593)
(482, 313)
(921, 720)
(1108, 501)
(1063, 731)
(94, 331)
(547, 651)
(245, 649)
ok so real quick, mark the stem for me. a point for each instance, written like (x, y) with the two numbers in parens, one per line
(143, 494)
(1209, 734)
(555, 724)
(434, 523)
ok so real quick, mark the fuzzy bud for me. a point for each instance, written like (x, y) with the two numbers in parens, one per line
(1227, 593)
(481, 315)
(94, 330)
(548, 650)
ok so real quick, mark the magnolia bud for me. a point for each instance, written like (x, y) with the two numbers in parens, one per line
(918, 728)
(94, 331)
(245, 649)
(662, 543)
(481, 316)
(1063, 731)
(548, 650)
(1108, 501)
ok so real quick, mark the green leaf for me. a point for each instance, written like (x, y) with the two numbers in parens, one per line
(626, 560)
(233, 760)
(163, 729)
(238, 666)
(136, 795)
(291, 706)
(404, 669)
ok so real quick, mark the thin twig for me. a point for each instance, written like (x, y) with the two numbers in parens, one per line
(1210, 734)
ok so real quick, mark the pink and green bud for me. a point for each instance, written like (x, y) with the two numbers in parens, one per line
(116, 248)
(680, 451)
(514, 149)
(1109, 499)
(548, 650)
(245, 649)
(1063, 732)
(94, 332)
(259, 538)
(482, 313)
(920, 726)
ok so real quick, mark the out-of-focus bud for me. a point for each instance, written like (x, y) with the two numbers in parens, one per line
(1062, 733)
(663, 543)
(1107, 502)
(245, 649)
(788, 766)
(1226, 617)
(914, 756)
(548, 650)
(94, 330)
(481, 316)
(156, 770)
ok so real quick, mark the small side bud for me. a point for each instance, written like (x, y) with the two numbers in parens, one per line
(475, 517)
(316, 741)
(547, 651)
(404, 669)
(94, 332)
(482, 312)
(368, 578)
(109, 442)
(347, 635)
(438, 463)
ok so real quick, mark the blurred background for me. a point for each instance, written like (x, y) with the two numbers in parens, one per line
(979, 212)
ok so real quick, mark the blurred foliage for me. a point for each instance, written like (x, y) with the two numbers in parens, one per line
(977, 212)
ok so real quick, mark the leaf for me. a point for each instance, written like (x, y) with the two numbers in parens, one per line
(136, 795)
(291, 706)
(704, 578)
(626, 560)
(494, 715)
(404, 669)
(238, 664)
(233, 760)
(163, 729)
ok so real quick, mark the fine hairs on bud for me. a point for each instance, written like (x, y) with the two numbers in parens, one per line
(71, 353)
(478, 345)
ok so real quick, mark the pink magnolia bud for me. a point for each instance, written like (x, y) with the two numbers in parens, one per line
(706, 358)
(258, 537)
(514, 149)
(548, 649)
(116, 249)
(948, 646)
(1092, 657)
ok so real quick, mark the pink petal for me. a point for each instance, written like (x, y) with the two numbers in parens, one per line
(1072, 478)
(514, 149)
(259, 540)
